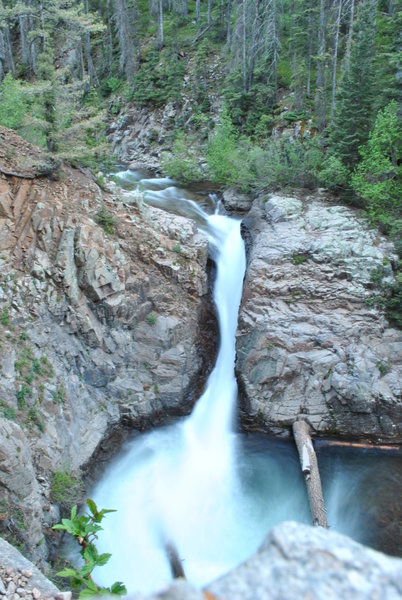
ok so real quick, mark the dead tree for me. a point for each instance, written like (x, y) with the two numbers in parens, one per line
(309, 466)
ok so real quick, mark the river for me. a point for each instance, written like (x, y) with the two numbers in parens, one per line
(199, 484)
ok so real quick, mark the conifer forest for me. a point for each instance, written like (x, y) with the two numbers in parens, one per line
(267, 94)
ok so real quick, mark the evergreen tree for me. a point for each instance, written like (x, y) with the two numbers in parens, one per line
(353, 109)
(377, 178)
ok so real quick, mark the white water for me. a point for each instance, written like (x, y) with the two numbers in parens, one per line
(177, 484)
(211, 492)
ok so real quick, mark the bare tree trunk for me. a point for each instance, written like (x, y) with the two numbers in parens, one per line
(309, 466)
(334, 63)
(109, 38)
(175, 563)
(228, 21)
(254, 45)
(198, 10)
(210, 2)
(390, 8)
(126, 18)
(184, 7)
(309, 52)
(275, 45)
(93, 78)
(321, 79)
(9, 52)
(244, 48)
(350, 34)
(160, 40)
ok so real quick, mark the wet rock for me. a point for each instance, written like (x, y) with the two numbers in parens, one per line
(309, 340)
(298, 561)
(234, 201)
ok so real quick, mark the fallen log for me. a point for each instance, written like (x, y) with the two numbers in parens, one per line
(175, 563)
(309, 466)
(322, 443)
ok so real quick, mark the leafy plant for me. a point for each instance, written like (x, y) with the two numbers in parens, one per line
(84, 528)
(66, 489)
(106, 220)
(151, 319)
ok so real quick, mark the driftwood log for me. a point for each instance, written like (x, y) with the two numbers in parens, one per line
(309, 466)
(176, 566)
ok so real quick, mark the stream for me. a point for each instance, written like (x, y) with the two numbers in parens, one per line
(199, 484)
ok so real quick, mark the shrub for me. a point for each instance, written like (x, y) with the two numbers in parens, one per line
(13, 103)
(66, 489)
(84, 529)
(182, 163)
(106, 220)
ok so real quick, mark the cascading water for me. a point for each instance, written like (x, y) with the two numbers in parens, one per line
(177, 484)
(197, 484)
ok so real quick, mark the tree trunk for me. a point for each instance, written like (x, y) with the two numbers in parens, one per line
(209, 11)
(309, 466)
(321, 79)
(198, 10)
(254, 45)
(175, 563)
(337, 26)
(350, 34)
(244, 48)
(228, 21)
(160, 40)
(309, 52)
(93, 78)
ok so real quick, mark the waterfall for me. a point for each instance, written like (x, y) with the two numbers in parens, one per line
(198, 484)
(177, 484)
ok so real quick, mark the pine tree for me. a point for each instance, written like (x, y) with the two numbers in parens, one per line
(353, 109)
(377, 178)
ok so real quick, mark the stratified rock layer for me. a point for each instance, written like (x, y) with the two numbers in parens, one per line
(309, 339)
(96, 328)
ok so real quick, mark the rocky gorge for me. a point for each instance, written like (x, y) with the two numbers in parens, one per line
(107, 323)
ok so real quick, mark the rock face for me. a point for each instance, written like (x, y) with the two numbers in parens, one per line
(298, 561)
(96, 329)
(19, 576)
(309, 342)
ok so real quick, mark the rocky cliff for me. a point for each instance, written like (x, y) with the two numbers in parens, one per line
(310, 341)
(103, 321)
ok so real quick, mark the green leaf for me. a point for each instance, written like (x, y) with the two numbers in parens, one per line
(73, 512)
(92, 506)
(67, 573)
(87, 594)
(118, 588)
(102, 559)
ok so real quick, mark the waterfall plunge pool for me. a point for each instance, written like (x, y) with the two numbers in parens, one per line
(210, 491)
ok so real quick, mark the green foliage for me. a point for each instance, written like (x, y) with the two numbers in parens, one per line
(383, 367)
(66, 489)
(299, 259)
(353, 113)
(159, 78)
(222, 154)
(377, 178)
(106, 220)
(333, 174)
(84, 528)
(6, 411)
(5, 316)
(182, 163)
(151, 319)
(13, 103)
(389, 296)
